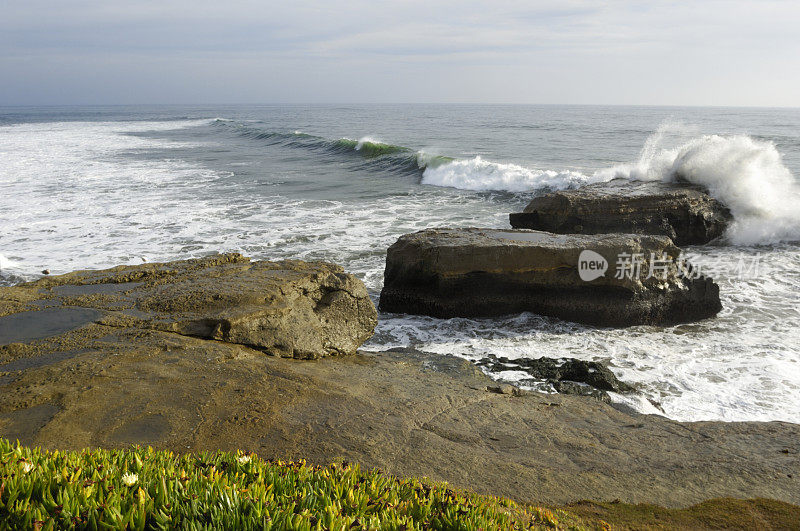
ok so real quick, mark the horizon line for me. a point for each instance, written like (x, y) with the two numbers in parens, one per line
(275, 104)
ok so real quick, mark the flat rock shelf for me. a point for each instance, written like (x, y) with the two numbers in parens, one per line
(290, 308)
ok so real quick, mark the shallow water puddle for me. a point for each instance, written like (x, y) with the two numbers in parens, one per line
(30, 326)
(36, 362)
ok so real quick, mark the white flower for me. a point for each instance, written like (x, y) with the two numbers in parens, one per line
(26, 466)
(129, 479)
(243, 460)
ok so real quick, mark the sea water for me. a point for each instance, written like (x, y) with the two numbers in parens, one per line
(93, 187)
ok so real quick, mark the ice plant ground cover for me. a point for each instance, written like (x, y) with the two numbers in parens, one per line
(141, 488)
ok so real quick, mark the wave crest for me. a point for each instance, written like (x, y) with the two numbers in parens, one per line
(478, 174)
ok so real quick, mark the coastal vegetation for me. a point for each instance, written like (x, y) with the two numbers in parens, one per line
(141, 488)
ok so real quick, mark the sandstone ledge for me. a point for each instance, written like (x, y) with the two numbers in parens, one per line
(290, 308)
(408, 413)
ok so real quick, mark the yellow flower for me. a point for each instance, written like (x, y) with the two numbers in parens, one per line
(243, 460)
(129, 479)
(26, 466)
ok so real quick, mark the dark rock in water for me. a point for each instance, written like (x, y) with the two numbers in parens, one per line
(289, 309)
(567, 376)
(580, 389)
(682, 211)
(489, 272)
(591, 373)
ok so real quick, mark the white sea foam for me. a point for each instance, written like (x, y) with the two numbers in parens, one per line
(5, 263)
(635, 402)
(77, 196)
(479, 174)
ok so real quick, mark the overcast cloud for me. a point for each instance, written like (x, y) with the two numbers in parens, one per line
(618, 52)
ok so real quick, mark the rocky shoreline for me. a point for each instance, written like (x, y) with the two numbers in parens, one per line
(132, 369)
(288, 309)
(408, 413)
(224, 353)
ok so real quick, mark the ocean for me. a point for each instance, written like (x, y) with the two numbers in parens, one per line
(93, 187)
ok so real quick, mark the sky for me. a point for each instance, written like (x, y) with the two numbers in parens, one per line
(692, 52)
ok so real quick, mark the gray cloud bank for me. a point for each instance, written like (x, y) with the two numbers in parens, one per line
(616, 52)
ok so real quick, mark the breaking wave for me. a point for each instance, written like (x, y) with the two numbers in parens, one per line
(478, 174)
(745, 174)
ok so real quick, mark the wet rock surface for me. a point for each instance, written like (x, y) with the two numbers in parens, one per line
(290, 308)
(681, 211)
(28, 326)
(407, 412)
(476, 272)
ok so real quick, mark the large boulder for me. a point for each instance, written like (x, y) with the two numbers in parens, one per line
(624, 279)
(684, 212)
(290, 308)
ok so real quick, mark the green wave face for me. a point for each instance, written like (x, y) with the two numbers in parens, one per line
(370, 149)
(398, 158)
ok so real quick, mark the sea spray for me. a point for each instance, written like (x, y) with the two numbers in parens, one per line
(746, 174)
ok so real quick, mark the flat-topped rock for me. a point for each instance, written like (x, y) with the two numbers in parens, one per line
(476, 272)
(290, 308)
(681, 211)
